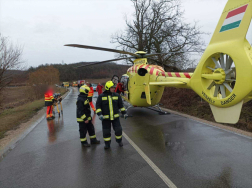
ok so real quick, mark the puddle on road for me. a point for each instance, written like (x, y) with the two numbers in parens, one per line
(159, 137)
(54, 126)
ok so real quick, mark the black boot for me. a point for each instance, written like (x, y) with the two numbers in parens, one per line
(120, 144)
(107, 145)
(85, 144)
(94, 141)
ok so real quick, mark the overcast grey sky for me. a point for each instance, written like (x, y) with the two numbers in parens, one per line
(44, 26)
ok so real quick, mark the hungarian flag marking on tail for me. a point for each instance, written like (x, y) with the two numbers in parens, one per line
(234, 18)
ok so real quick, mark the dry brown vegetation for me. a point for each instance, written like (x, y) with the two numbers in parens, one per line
(44, 76)
(188, 102)
(13, 97)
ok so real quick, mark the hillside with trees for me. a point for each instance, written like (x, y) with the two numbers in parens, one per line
(69, 72)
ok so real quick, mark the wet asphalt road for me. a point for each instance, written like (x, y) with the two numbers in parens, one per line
(189, 153)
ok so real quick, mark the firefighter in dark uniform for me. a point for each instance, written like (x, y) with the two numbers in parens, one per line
(84, 117)
(108, 105)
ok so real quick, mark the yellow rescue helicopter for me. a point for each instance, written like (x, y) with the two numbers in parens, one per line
(223, 76)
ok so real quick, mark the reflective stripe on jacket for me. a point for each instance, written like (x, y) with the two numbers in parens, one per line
(83, 112)
(109, 105)
(49, 98)
(91, 92)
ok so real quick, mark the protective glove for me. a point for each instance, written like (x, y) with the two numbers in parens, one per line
(101, 117)
(125, 116)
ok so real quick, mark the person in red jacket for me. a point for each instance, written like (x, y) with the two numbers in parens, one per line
(49, 99)
(99, 89)
(119, 88)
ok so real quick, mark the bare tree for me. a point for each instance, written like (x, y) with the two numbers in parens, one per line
(10, 58)
(158, 26)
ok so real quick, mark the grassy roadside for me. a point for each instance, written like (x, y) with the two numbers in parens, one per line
(12, 118)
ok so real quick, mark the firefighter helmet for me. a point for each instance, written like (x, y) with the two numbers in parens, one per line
(109, 84)
(84, 89)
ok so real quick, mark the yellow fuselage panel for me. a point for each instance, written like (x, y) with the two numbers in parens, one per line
(136, 87)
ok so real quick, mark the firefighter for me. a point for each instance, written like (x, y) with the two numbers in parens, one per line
(84, 118)
(90, 96)
(49, 99)
(108, 105)
(99, 89)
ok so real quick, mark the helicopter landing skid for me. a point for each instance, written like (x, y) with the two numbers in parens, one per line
(157, 108)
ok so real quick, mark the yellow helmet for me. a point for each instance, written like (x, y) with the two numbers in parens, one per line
(84, 89)
(109, 84)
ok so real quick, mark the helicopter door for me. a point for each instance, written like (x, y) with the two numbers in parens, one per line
(115, 79)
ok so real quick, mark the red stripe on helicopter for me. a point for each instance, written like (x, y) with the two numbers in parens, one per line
(147, 67)
(141, 66)
(163, 73)
(160, 69)
(136, 69)
(157, 73)
(237, 11)
(177, 74)
(187, 75)
(152, 69)
(169, 74)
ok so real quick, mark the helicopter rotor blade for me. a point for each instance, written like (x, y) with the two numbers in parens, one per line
(102, 49)
(100, 62)
(151, 55)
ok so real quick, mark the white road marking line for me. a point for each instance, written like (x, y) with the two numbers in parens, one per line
(167, 181)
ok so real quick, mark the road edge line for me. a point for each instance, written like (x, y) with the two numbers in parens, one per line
(166, 180)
